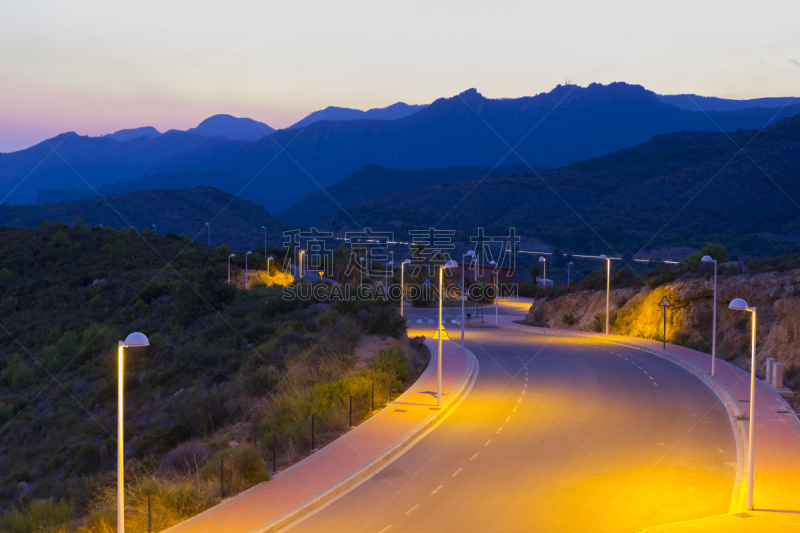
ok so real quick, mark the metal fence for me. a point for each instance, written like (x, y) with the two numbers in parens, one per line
(288, 447)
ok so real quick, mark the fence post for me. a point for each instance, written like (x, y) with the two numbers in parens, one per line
(274, 453)
(388, 390)
(351, 410)
(312, 431)
(373, 396)
(149, 515)
(221, 478)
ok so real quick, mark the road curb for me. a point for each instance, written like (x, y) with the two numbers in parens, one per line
(722, 392)
(394, 450)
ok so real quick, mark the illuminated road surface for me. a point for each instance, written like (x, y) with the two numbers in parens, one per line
(556, 435)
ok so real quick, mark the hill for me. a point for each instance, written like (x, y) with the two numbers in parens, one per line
(691, 102)
(372, 181)
(237, 129)
(569, 123)
(80, 159)
(392, 112)
(687, 188)
(234, 221)
(132, 133)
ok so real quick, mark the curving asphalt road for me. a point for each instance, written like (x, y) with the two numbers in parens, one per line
(557, 435)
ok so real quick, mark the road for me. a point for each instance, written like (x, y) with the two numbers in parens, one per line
(557, 435)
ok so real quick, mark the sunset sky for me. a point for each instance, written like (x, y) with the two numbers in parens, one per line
(95, 67)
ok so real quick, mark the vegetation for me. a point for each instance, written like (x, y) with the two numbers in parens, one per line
(223, 365)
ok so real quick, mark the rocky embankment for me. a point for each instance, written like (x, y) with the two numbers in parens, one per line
(635, 312)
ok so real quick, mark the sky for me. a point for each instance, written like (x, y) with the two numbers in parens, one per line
(95, 67)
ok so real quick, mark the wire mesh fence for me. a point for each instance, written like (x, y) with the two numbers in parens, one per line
(288, 447)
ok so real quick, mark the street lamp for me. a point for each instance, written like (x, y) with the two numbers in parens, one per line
(449, 264)
(361, 271)
(301, 263)
(740, 305)
(568, 265)
(471, 255)
(134, 340)
(268, 260)
(386, 277)
(608, 285)
(402, 284)
(543, 261)
(229, 267)
(496, 312)
(265, 248)
(209, 233)
(707, 259)
(246, 281)
(154, 229)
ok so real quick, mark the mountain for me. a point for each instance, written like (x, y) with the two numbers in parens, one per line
(372, 181)
(69, 160)
(127, 135)
(234, 221)
(237, 129)
(570, 123)
(393, 112)
(693, 102)
(680, 188)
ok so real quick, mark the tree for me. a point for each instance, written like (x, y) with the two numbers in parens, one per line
(535, 273)
(716, 251)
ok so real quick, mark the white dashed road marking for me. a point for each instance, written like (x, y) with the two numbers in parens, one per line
(498, 431)
(473, 457)
(437, 489)
(412, 509)
(456, 472)
(384, 529)
(487, 442)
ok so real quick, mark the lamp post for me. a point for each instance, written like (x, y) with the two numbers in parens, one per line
(471, 256)
(608, 285)
(134, 340)
(268, 260)
(301, 263)
(402, 284)
(209, 233)
(246, 280)
(568, 265)
(361, 271)
(154, 229)
(496, 303)
(707, 259)
(543, 261)
(449, 264)
(229, 267)
(740, 305)
(265, 249)
(386, 277)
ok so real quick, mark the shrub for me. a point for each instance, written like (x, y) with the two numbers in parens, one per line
(97, 302)
(187, 457)
(392, 362)
(9, 305)
(598, 326)
(387, 322)
(622, 301)
(46, 514)
(18, 373)
(59, 239)
(44, 224)
(5, 275)
(568, 319)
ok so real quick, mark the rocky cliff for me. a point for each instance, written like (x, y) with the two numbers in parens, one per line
(635, 312)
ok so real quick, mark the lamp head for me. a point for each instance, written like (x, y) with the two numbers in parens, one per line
(263, 227)
(451, 264)
(737, 304)
(407, 262)
(571, 263)
(232, 255)
(492, 262)
(471, 253)
(390, 263)
(206, 223)
(136, 340)
(361, 259)
(707, 259)
(542, 259)
(270, 258)
(248, 253)
(603, 256)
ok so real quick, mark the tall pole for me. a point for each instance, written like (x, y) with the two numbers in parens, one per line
(463, 294)
(209, 233)
(120, 450)
(608, 289)
(246, 278)
(751, 455)
(155, 230)
(402, 287)
(664, 338)
(265, 249)
(714, 326)
(439, 365)
(569, 265)
(361, 272)
(268, 259)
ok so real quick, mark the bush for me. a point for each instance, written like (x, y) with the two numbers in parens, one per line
(59, 239)
(568, 319)
(9, 305)
(46, 514)
(387, 322)
(187, 457)
(97, 302)
(392, 362)
(18, 373)
(598, 326)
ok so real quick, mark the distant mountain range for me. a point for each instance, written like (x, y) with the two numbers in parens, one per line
(234, 221)
(693, 102)
(233, 128)
(569, 123)
(393, 112)
(685, 187)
